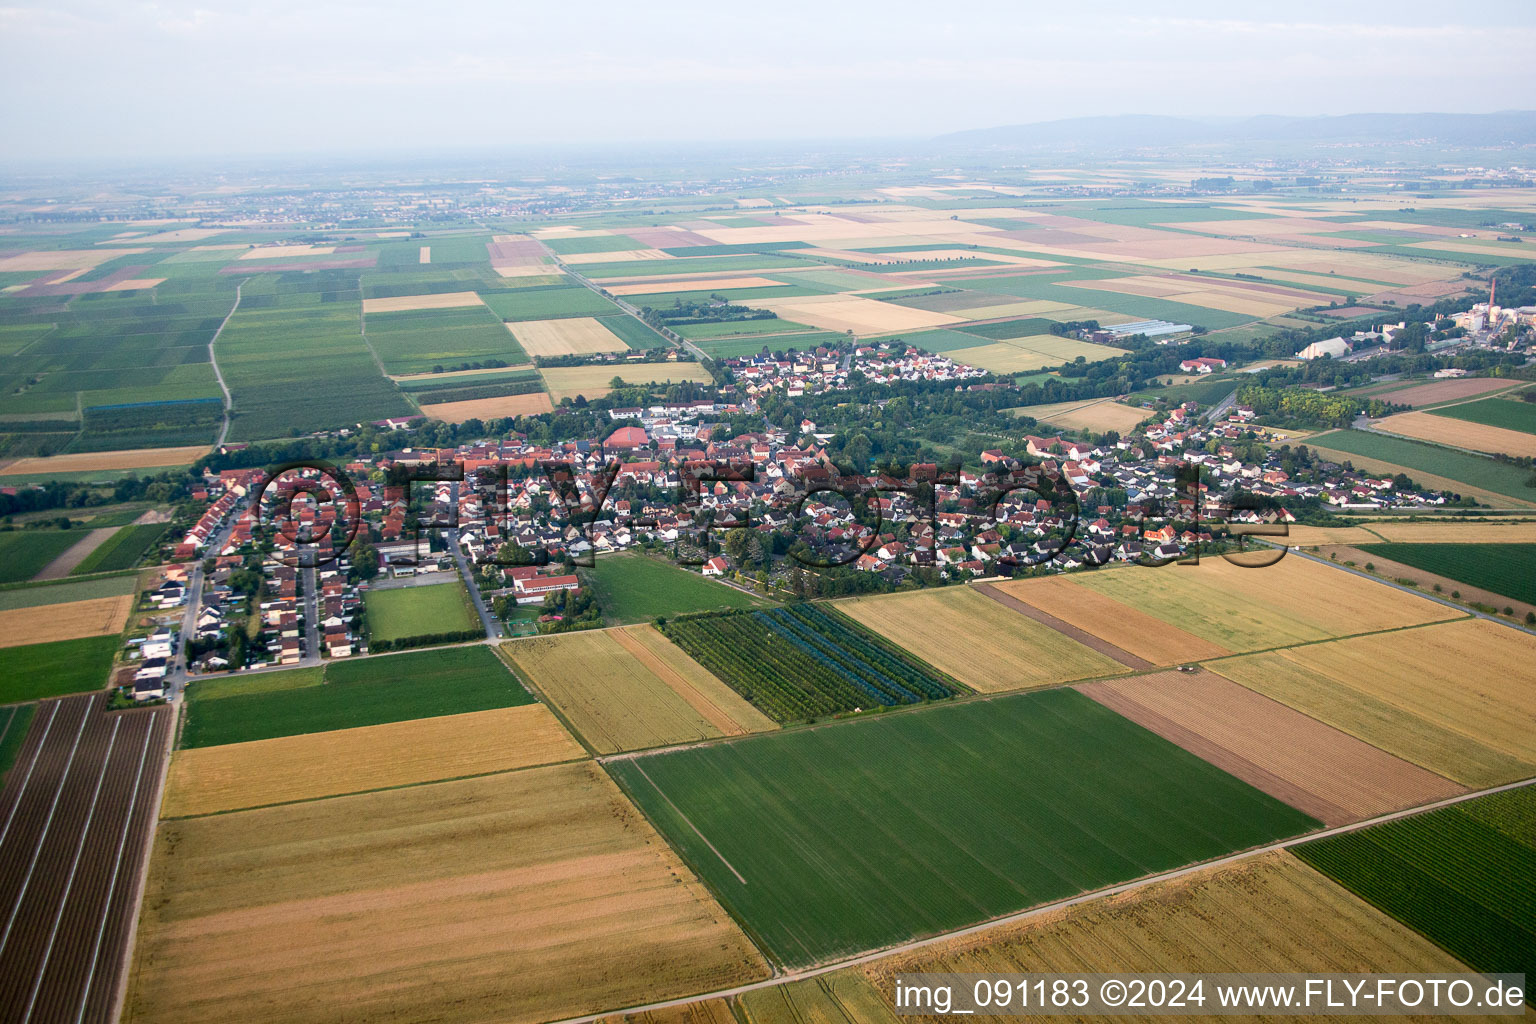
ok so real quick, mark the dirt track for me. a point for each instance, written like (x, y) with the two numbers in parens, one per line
(74, 819)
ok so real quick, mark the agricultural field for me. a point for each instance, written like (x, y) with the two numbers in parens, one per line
(417, 340)
(404, 612)
(1464, 876)
(1265, 913)
(548, 303)
(1044, 771)
(522, 896)
(24, 553)
(54, 669)
(978, 641)
(1508, 569)
(1426, 463)
(1460, 433)
(1505, 412)
(1435, 532)
(576, 335)
(804, 661)
(1313, 767)
(633, 587)
(308, 766)
(67, 591)
(489, 408)
(1130, 629)
(1455, 698)
(1242, 609)
(14, 721)
(348, 695)
(1098, 416)
(593, 381)
(102, 465)
(40, 624)
(1422, 393)
(123, 549)
(627, 689)
(1018, 355)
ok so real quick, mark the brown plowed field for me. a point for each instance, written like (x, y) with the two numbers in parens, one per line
(1311, 766)
(1418, 393)
(1065, 628)
(74, 822)
(1147, 638)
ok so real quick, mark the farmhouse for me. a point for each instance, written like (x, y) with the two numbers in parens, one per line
(1202, 365)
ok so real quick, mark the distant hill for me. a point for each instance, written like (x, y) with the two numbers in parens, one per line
(1136, 131)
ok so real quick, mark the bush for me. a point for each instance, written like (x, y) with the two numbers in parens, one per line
(1530, 618)
(401, 643)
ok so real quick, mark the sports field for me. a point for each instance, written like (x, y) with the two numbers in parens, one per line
(1464, 876)
(632, 587)
(1457, 698)
(348, 694)
(1241, 609)
(627, 689)
(417, 611)
(976, 640)
(208, 780)
(518, 897)
(929, 820)
(1508, 569)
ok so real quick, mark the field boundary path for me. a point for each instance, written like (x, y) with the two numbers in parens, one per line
(76, 553)
(803, 974)
(229, 401)
(1065, 628)
(78, 817)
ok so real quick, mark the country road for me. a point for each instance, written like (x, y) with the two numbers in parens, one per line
(229, 402)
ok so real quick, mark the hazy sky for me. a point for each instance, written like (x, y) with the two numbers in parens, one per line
(118, 78)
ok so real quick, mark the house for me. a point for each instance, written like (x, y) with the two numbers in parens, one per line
(1203, 365)
(716, 566)
(628, 439)
(149, 689)
(531, 590)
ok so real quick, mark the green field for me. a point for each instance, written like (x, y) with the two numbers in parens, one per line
(24, 553)
(632, 587)
(548, 303)
(1023, 327)
(1463, 876)
(1511, 414)
(733, 348)
(634, 333)
(13, 730)
(416, 611)
(416, 340)
(1205, 392)
(54, 669)
(347, 694)
(122, 550)
(1498, 477)
(869, 832)
(734, 328)
(1508, 569)
(64, 591)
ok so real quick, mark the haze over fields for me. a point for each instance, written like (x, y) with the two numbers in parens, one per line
(189, 78)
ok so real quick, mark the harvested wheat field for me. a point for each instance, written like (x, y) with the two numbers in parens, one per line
(1457, 698)
(97, 617)
(851, 313)
(206, 780)
(89, 462)
(489, 408)
(577, 335)
(706, 1011)
(1133, 631)
(593, 381)
(680, 282)
(622, 256)
(1479, 437)
(1434, 392)
(269, 252)
(405, 303)
(1444, 532)
(1264, 913)
(1296, 600)
(978, 641)
(1099, 415)
(61, 259)
(627, 689)
(527, 896)
(530, 270)
(1313, 767)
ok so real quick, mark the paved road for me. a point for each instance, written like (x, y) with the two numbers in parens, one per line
(488, 622)
(229, 403)
(311, 613)
(1222, 407)
(75, 822)
(623, 304)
